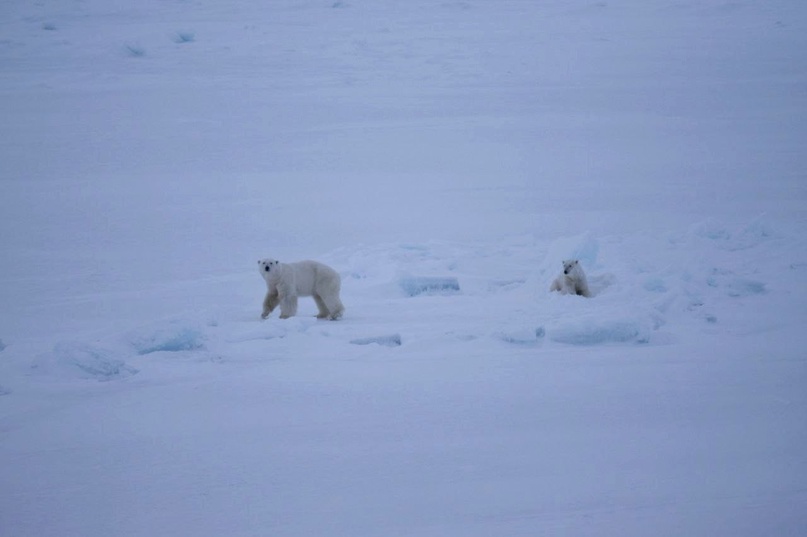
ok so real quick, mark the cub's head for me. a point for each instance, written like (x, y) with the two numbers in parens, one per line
(267, 266)
(569, 265)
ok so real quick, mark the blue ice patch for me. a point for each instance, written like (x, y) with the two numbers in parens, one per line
(393, 340)
(414, 286)
(87, 361)
(181, 339)
(593, 333)
(742, 287)
(655, 285)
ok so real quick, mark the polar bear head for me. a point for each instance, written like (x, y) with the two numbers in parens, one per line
(268, 266)
(570, 266)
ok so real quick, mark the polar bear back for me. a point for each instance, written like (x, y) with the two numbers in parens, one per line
(312, 277)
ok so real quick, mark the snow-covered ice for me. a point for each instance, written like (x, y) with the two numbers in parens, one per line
(444, 157)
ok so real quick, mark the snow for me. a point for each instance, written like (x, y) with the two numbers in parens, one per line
(444, 158)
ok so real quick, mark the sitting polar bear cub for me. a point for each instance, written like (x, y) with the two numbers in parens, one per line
(572, 281)
(286, 281)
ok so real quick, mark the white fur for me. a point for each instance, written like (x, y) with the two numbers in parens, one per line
(572, 281)
(287, 281)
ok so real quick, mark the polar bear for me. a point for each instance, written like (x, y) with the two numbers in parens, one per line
(572, 281)
(286, 281)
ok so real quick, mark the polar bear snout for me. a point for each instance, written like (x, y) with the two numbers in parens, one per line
(266, 268)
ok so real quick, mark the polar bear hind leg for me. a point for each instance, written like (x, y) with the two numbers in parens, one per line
(335, 307)
(323, 309)
(327, 292)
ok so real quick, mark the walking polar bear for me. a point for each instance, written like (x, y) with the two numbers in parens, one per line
(287, 281)
(572, 281)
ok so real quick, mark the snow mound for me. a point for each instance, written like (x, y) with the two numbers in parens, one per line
(584, 248)
(598, 283)
(82, 360)
(414, 286)
(393, 340)
(175, 337)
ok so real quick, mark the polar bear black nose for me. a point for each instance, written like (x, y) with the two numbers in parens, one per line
(266, 268)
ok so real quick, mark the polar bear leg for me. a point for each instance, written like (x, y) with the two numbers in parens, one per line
(326, 294)
(288, 306)
(582, 290)
(323, 309)
(334, 305)
(561, 285)
(270, 302)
